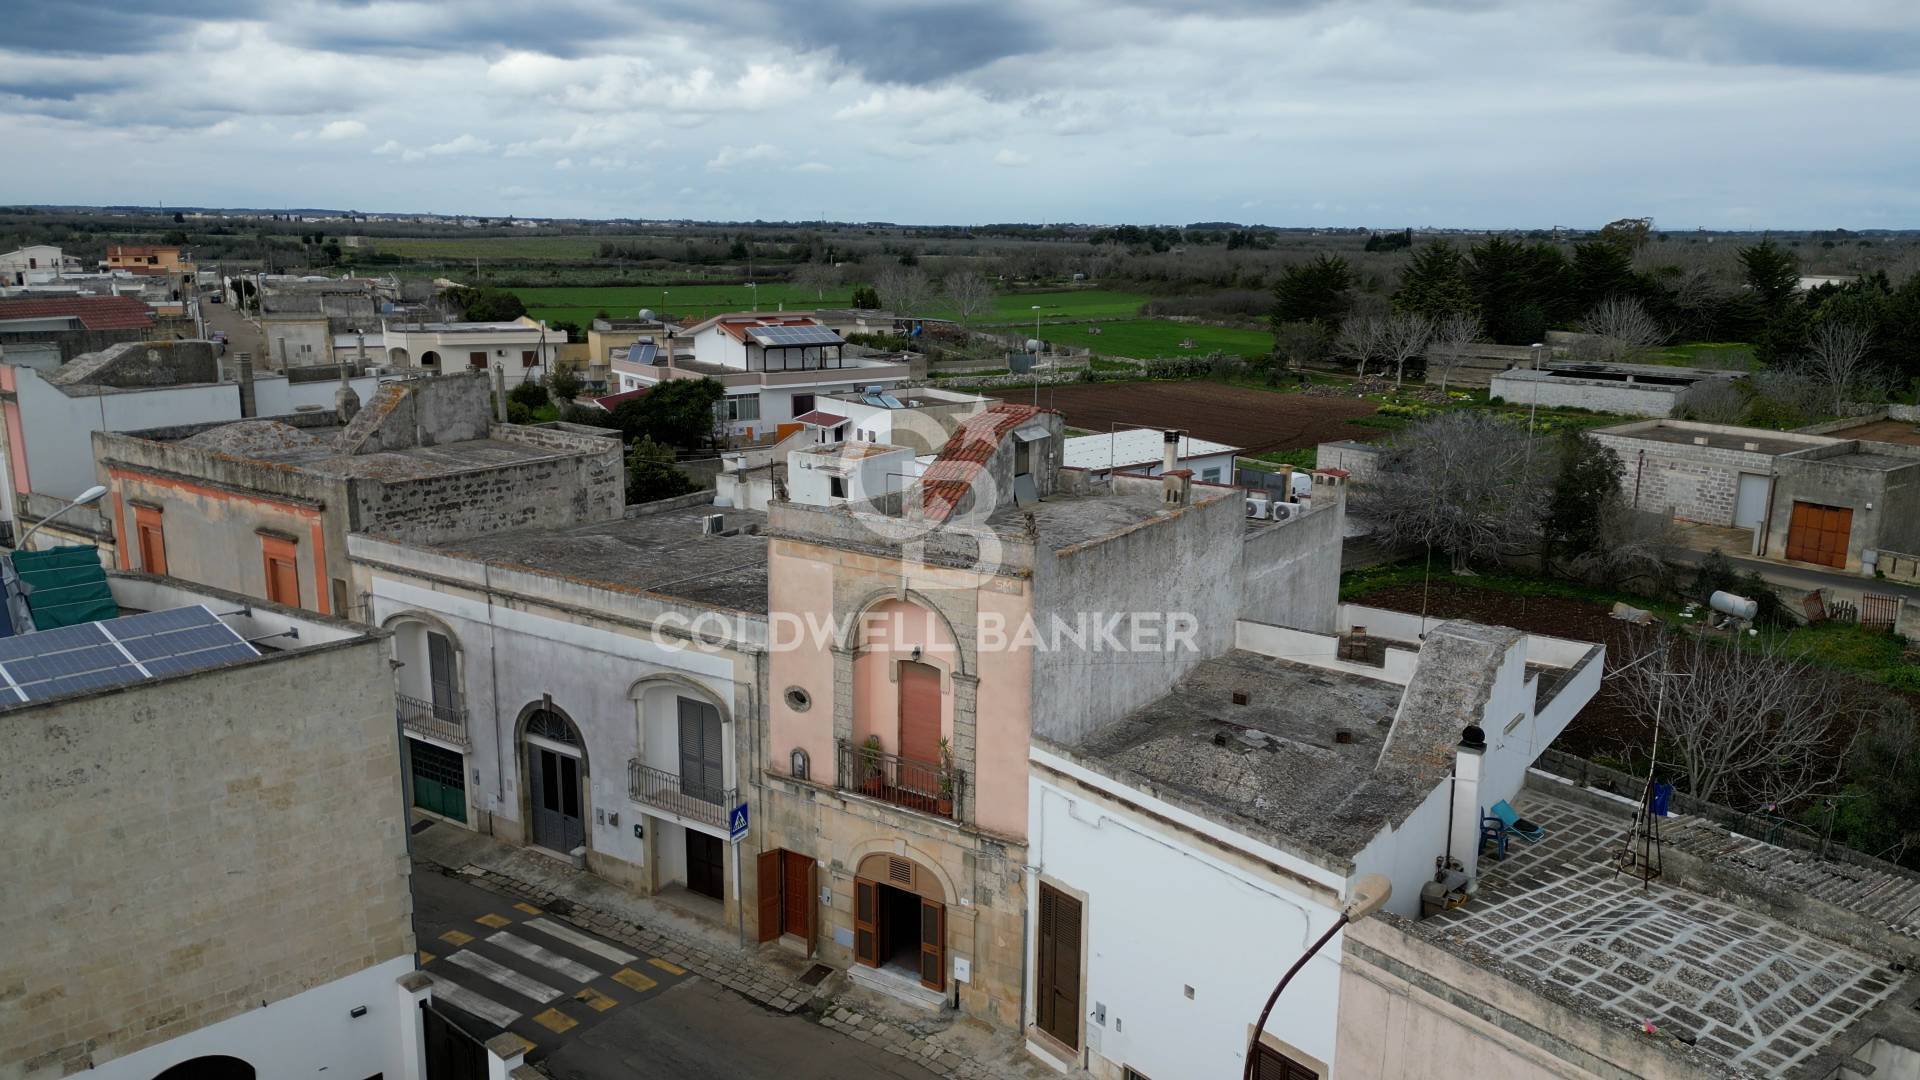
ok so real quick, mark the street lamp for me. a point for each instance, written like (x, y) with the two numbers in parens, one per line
(1369, 892)
(92, 495)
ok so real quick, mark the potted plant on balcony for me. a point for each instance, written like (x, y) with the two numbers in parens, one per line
(873, 778)
(944, 805)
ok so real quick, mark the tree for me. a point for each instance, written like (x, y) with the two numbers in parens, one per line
(652, 475)
(817, 277)
(1466, 483)
(176, 238)
(1453, 337)
(1632, 550)
(569, 328)
(1753, 725)
(1521, 289)
(1295, 345)
(1360, 340)
(1772, 272)
(1629, 234)
(865, 298)
(970, 295)
(179, 218)
(1585, 486)
(903, 290)
(529, 393)
(485, 304)
(1838, 357)
(1434, 283)
(1624, 328)
(1601, 269)
(1712, 401)
(563, 384)
(1405, 337)
(677, 413)
(1314, 291)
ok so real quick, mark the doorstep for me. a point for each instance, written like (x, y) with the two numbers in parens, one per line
(898, 985)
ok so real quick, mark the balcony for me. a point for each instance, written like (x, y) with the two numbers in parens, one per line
(926, 786)
(688, 799)
(447, 723)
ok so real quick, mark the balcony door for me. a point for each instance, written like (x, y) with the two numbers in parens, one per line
(702, 772)
(440, 675)
(919, 712)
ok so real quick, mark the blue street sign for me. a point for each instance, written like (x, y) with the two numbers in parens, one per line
(737, 823)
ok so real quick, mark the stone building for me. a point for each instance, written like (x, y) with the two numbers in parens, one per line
(263, 507)
(205, 856)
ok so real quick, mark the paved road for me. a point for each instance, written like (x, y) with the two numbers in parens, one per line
(242, 336)
(592, 1009)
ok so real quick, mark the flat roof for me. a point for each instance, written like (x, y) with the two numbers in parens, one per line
(1678, 433)
(1062, 520)
(1743, 988)
(1900, 432)
(1865, 459)
(315, 450)
(1131, 447)
(662, 554)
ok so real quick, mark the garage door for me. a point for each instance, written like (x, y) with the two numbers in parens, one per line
(439, 779)
(1751, 504)
(1818, 534)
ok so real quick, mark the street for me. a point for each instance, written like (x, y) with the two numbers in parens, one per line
(590, 1009)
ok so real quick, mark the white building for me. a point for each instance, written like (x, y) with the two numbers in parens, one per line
(553, 695)
(25, 266)
(1143, 450)
(522, 350)
(1186, 856)
(775, 367)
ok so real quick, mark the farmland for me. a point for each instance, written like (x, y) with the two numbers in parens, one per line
(490, 248)
(694, 302)
(1144, 339)
(1254, 420)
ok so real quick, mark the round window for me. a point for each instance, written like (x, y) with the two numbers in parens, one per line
(798, 700)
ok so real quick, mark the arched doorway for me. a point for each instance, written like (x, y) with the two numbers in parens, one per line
(900, 918)
(397, 356)
(217, 1067)
(556, 763)
(429, 359)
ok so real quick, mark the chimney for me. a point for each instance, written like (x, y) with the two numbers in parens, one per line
(345, 401)
(245, 361)
(1286, 483)
(1169, 451)
(1463, 835)
(1176, 487)
(500, 393)
(673, 344)
(1330, 488)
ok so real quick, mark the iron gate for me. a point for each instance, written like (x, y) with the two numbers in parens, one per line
(452, 1054)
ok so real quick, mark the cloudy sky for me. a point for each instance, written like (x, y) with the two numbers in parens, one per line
(1729, 113)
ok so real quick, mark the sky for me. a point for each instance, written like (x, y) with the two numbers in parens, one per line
(1385, 113)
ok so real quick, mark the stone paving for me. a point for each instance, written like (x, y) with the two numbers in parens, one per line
(1752, 991)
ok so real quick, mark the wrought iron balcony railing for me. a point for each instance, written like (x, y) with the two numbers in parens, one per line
(926, 786)
(668, 791)
(446, 721)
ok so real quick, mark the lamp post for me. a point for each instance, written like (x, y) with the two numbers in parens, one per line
(92, 495)
(1369, 892)
(1534, 351)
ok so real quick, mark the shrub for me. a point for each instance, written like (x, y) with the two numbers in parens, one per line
(563, 384)
(518, 413)
(529, 394)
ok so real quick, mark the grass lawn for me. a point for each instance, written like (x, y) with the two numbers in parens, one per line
(1145, 339)
(1735, 355)
(488, 247)
(1016, 309)
(690, 302)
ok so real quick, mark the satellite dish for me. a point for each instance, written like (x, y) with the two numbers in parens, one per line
(1034, 345)
(647, 314)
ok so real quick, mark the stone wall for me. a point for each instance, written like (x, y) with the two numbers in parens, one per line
(1692, 483)
(551, 492)
(182, 851)
(1599, 395)
(1290, 571)
(1360, 460)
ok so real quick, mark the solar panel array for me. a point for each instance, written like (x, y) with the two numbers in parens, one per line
(115, 652)
(795, 336)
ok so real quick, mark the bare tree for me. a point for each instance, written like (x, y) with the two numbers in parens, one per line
(1837, 356)
(1753, 724)
(903, 290)
(1406, 337)
(970, 295)
(1632, 550)
(1361, 338)
(817, 277)
(1466, 482)
(1452, 337)
(1712, 401)
(1624, 328)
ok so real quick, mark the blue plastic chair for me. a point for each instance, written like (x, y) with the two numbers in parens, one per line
(1512, 822)
(1493, 831)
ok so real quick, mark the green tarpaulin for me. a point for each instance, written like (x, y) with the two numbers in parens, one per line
(65, 586)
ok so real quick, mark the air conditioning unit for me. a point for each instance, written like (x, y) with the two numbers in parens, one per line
(1284, 511)
(713, 524)
(1257, 508)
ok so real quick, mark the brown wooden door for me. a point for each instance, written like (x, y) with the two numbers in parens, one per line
(919, 712)
(282, 570)
(866, 917)
(768, 878)
(1819, 534)
(1057, 1007)
(933, 944)
(798, 897)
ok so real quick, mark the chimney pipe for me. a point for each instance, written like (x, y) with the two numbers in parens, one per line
(1463, 837)
(346, 402)
(1169, 451)
(500, 393)
(245, 361)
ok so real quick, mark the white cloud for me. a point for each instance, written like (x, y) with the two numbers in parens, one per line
(1011, 158)
(465, 143)
(341, 129)
(391, 146)
(563, 164)
(813, 167)
(729, 156)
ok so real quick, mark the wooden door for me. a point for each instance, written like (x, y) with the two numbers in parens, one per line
(768, 877)
(706, 868)
(933, 944)
(440, 675)
(153, 540)
(1819, 534)
(701, 772)
(919, 712)
(796, 890)
(281, 561)
(1057, 986)
(866, 917)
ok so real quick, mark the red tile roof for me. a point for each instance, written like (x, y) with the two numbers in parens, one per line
(818, 418)
(945, 483)
(613, 401)
(94, 312)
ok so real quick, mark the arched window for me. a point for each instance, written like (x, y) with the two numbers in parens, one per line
(218, 1067)
(551, 725)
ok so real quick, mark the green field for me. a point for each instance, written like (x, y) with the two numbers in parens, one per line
(1014, 309)
(489, 247)
(695, 302)
(1145, 339)
(1736, 355)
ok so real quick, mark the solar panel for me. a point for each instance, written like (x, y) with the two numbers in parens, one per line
(115, 652)
(795, 336)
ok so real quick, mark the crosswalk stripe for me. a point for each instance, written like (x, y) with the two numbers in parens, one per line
(545, 957)
(671, 969)
(505, 976)
(467, 1001)
(581, 941)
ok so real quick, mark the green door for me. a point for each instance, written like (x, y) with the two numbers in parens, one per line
(439, 780)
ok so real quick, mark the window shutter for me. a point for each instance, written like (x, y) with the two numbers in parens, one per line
(933, 945)
(440, 671)
(767, 870)
(866, 936)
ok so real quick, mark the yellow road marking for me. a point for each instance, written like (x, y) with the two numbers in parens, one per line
(456, 938)
(555, 1021)
(671, 969)
(528, 908)
(526, 1044)
(595, 1000)
(633, 980)
(495, 921)
(425, 958)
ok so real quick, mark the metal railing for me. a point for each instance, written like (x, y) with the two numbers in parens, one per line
(447, 721)
(669, 791)
(926, 786)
